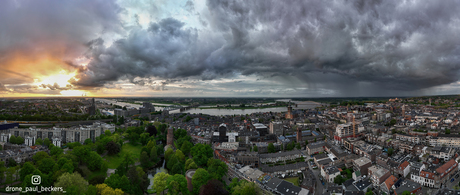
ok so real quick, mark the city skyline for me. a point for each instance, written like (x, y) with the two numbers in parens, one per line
(229, 48)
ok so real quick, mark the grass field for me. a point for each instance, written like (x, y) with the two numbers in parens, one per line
(294, 180)
(115, 160)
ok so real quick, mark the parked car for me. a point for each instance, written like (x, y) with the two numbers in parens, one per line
(452, 180)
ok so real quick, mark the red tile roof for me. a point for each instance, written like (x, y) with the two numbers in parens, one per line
(447, 165)
(403, 165)
(390, 181)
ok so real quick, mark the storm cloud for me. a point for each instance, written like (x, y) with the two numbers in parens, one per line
(404, 45)
(342, 47)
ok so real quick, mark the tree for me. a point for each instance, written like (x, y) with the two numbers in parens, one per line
(105, 189)
(112, 148)
(298, 146)
(94, 161)
(160, 182)
(406, 193)
(39, 142)
(74, 180)
(216, 168)
(213, 187)
(201, 153)
(88, 141)
(107, 133)
(46, 165)
(121, 182)
(315, 139)
(13, 139)
(255, 149)
(369, 192)
(339, 180)
(2, 170)
(144, 138)
(306, 142)
(447, 131)
(47, 142)
(128, 160)
(271, 148)
(200, 178)
(177, 184)
(56, 151)
(26, 169)
(180, 156)
(186, 147)
(145, 161)
(390, 151)
(19, 140)
(40, 155)
(152, 130)
(247, 188)
(12, 162)
(169, 152)
(9, 174)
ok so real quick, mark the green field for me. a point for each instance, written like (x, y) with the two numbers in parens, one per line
(115, 160)
(294, 180)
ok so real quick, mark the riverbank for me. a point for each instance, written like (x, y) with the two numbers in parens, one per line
(240, 108)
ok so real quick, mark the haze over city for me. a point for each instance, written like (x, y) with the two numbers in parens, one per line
(229, 48)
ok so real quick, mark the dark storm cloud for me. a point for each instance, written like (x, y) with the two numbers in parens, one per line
(405, 45)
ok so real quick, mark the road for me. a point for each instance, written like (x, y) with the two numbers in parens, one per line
(319, 190)
(450, 185)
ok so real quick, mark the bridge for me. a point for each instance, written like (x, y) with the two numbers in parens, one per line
(177, 107)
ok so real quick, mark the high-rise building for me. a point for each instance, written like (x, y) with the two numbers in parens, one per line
(276, 128)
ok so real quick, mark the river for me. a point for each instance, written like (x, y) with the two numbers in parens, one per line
(223, 112)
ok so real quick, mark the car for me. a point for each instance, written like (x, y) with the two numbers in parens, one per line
(456, 176)
(452, 180)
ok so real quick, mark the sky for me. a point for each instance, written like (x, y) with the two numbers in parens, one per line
(234, 48)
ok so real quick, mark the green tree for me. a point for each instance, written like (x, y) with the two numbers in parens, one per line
(169, 152)
(2, 170)
(46, 165)
(390, 151)
(9, 174)
(47, 142)
(200, 178)
(13, 139)
(186, 147)
(112, 148)
(447, 131)
(180, 156)
(247, 188)
(306, 142)
(12, 162)
(39, 142)
(315, 140)
(88, 141)
(26, 169)
(298, 146)
(160, 182)
(144, 138)
(72, 181)
(339, 180)
(255, 149)
(216, 168)
(201, 153)
(40, 155)
(145, 161)
(177, 184)
(406, 193)
(271, 148)
(56, 151)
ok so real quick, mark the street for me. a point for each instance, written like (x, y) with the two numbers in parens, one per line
(319, 190)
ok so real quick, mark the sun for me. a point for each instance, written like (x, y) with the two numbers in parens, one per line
(61, 79)
(61, 82)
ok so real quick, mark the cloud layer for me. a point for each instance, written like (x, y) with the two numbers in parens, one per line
(394, 46)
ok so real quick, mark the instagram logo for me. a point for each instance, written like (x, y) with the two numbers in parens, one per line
(36, 179)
